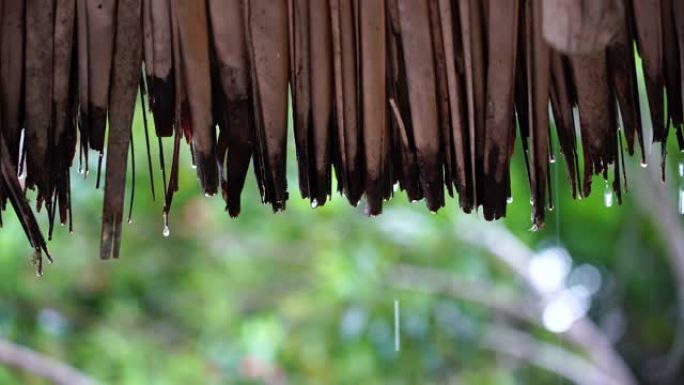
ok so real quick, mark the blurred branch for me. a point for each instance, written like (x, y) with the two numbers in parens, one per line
(655, 200)
(437, 282)
(24, 359)
(434, 281)
(516, 255)
(550, 357)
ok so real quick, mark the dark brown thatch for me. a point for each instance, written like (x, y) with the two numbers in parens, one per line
(426, 95)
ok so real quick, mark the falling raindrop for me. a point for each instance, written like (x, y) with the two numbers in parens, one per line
(607, 195)
(397, 341)
(680, 199)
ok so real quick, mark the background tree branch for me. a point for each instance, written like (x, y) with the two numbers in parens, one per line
(26, 360)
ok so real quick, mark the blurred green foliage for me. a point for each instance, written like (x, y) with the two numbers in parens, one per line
(301, 297)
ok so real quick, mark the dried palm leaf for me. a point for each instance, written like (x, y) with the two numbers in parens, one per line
(161, 73)
(345, 54)
(373, 91)
(38, 95)
(232, 101)
(458, 146)
(101, 16)
(267, 43)
(581, 26)
(622, 69)
(499, 124)
(300, 78)
(322, 84)
(562, 101)
(125, 78)
(538, 60)
(12, 73)
(418, 56)
(672, 70)
(64, 107)
(649, 38)
(420, 94)
(193, 30)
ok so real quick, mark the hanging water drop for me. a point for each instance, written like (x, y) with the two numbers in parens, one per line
(509, 200)
(552, 159)
(314, 203)
(644, 164)
(607, 196)
(166, 232)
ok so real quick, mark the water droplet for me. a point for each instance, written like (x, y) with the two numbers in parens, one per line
(166, 232)
(608, 196)
(552, 159)
(644, 164)
(551, 206)
(314, 203)
(681, 200)
(509, 200)
(130, 221)
(208, 195)
(681, 169)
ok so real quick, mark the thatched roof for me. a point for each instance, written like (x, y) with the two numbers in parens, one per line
(423, 94)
